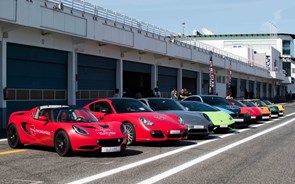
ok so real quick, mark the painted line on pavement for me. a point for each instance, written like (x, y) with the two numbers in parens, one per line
(2, 140)
(210, 155)
(11, 151)
(151, 159)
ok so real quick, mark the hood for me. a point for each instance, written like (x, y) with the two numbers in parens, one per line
(159, 119)
(191, 118)
(232, 108)
(101, 129)
(220, 118)
(254, 111)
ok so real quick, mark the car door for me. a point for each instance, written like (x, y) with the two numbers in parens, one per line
(42, 129)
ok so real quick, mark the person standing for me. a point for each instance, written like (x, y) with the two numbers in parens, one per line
(229, 95)
(174, 94)
(157, 92)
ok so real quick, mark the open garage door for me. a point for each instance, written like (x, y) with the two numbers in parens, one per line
(137, 79)
(189, 81)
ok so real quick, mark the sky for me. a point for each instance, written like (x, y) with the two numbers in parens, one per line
(210, 16)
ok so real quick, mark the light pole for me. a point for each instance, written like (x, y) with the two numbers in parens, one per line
(183, 26)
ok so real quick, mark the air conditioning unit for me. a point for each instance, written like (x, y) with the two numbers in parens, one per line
(58, 6)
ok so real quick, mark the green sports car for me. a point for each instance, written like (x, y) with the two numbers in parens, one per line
(274, 110)
(220, 119)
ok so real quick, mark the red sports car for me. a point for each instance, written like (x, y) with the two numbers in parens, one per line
(141, 122)
(255, 112)
(66, 129)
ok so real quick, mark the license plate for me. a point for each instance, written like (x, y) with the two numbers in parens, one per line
(110, 149)
(174, 131)
(199, 126)
(253, 117)
(265, 117)
(223, 126)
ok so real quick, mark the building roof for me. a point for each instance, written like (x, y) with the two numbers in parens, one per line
(240, 35)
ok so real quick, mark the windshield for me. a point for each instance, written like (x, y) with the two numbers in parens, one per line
(236, 102)
(267, 102)
(260, 103)
(195, 106)
(249, 104)
(214, 100)
(164, 105)
(129, 105)
(72, 115)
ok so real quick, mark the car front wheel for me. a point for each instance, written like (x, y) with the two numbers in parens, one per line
(131, 133)
(13, 137)
(62, 144)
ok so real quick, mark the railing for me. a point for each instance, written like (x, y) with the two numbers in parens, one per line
(86, 7)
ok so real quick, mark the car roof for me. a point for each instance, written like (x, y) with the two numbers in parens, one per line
(52, 106)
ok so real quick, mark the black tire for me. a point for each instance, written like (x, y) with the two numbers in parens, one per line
(62, 144)
(131, 134)
(13, 137)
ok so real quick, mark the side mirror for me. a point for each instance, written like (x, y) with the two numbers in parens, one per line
(43, 118)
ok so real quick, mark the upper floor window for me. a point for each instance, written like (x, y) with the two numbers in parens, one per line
(286, 47)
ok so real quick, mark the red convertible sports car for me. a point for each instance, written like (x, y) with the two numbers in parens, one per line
(66, 129)
(142, 123)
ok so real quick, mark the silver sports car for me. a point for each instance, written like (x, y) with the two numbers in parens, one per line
(198, 123)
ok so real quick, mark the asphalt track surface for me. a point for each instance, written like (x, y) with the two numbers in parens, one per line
(262, 153)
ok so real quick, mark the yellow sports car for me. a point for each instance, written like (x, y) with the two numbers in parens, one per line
(280, 106)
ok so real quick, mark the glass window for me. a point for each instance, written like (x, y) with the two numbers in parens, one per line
(286, 47)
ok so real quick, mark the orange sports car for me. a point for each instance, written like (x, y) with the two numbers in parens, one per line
(266, 114)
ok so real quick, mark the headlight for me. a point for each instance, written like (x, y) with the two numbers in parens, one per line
(230, 118)
(146, 122)
(79, 130)
(123, 129)
(180, 120)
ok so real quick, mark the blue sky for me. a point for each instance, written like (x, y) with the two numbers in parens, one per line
(216, 16)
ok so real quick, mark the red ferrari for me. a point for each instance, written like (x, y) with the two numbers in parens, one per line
(141, 122)
(255, 112)
(66, 129)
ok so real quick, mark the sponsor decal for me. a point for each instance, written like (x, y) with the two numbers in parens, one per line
(160, 117)
(104, 132)
(35, 131)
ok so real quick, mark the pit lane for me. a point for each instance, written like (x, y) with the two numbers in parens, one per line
(43, 165)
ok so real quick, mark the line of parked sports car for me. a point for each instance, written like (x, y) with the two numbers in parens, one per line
(109, 125)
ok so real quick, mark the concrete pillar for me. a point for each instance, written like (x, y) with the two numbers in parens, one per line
(72, 77)
(3, 84)
(154, 76)
(267, 91)
(261, 90)
(199, 83)
(238, 88)
(179, 79)
(119, 76)
(255, 95)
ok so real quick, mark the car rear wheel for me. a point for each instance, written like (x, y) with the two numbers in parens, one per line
(62, 144)
(13, 137)
(131, 133)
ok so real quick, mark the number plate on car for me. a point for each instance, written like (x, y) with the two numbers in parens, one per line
(223, 126)
(174, 131)
(110, 149)
(199, 126)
